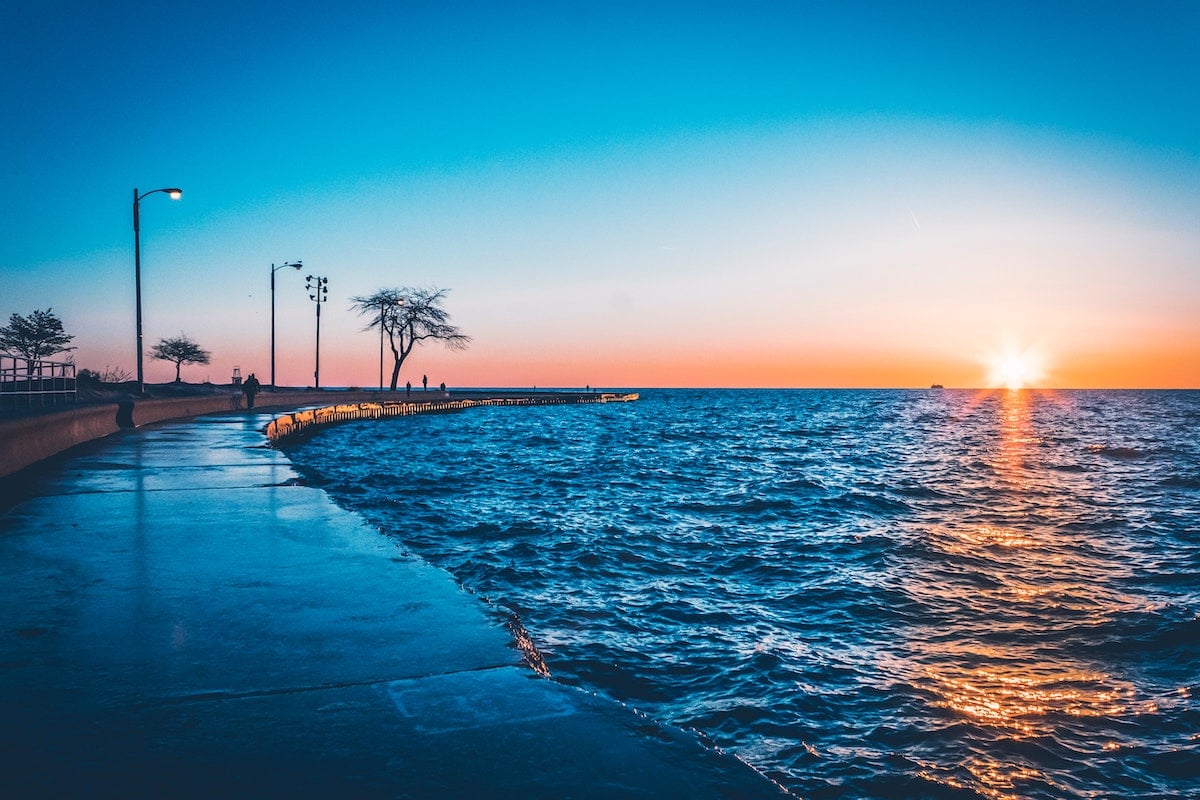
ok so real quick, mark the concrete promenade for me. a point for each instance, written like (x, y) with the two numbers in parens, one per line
(182, 618)
(29, 438)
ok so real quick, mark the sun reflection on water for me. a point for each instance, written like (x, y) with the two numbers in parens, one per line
(1016, 437)
(959, 541)
(990, 778)
(1007, 569)
(1019, 698)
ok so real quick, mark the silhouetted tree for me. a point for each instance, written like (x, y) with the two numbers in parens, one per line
(409, 316)
(34, 337)
(107, 375)
(180, 350)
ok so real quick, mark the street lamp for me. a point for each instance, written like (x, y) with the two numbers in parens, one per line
(318, 291)
(296, 265)
(384, 301)
(174, 194)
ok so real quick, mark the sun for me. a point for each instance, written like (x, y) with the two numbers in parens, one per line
(1016, 369)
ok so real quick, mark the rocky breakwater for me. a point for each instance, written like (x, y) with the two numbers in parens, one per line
(300, 422)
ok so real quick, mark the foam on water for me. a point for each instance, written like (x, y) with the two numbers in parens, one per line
(862, 593)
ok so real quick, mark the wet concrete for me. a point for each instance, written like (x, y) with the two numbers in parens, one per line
(181, 618)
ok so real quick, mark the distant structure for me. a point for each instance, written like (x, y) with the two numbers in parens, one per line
(937, 386)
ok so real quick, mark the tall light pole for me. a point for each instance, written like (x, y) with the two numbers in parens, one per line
(175, 194)
(318, 291)
(384, 302)
(296, 265)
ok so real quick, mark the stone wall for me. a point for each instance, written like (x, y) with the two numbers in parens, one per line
(299, 422)
(27, 440)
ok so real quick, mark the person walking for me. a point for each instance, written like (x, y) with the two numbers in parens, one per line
(425, 383)
(250, 388)
(407, 389)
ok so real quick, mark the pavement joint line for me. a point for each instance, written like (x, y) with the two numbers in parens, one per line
(189, 489)
(218, 695)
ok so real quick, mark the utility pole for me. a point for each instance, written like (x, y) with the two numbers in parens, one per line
(318, 292)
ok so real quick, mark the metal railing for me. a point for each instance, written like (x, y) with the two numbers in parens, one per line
(35, 384)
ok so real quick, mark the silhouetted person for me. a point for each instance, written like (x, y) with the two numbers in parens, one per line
(250, 388)
(425, 383)
(443, 386)
(408, 389)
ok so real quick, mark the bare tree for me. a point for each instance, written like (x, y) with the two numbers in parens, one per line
(34, 337)
(180, 350)
(409, 316)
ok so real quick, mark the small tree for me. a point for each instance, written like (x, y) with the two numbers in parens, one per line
(107, 375)
(180, 350)
(34, 337)
(410, 316)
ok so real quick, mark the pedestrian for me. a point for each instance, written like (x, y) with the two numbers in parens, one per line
(407, 389)
(425, 383)
(251, 387)
(443, 387)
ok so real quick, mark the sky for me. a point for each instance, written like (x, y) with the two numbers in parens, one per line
(616, 194)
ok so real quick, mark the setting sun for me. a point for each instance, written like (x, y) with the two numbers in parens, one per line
(1016, 370)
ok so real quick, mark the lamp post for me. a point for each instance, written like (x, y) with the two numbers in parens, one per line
(174, 194)
(296, 265)
(318, 291)
(383, 302)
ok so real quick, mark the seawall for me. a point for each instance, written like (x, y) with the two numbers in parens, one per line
(299, 422)
(25, 441)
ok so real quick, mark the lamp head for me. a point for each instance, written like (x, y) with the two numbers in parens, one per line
(175, 194)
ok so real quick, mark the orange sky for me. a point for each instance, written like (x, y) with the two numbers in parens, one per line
(731, 211)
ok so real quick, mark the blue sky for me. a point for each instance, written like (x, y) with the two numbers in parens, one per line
(700, 193)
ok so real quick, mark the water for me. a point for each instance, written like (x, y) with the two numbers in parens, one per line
(865, 594)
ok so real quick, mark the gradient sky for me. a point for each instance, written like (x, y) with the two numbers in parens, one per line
(685, 194)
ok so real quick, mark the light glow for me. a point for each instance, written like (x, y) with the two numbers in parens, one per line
(1016, 369)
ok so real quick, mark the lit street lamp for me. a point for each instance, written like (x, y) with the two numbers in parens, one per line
(318, 291)
(174, 194)
(296, 266)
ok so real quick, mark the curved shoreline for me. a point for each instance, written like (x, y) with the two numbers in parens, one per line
(299, 422)
(189, 620)
(26, 441)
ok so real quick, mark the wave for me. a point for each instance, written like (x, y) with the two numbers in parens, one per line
(1118, 453)
(1181, 482)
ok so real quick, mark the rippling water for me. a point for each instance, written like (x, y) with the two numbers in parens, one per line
(862, 593)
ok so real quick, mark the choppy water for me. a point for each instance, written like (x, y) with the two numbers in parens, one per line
(862, 593)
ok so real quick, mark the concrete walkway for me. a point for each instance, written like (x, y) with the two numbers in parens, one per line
(179, 619)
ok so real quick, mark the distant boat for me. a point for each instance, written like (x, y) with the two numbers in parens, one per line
(937, 386)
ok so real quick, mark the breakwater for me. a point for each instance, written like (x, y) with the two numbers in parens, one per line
(299, 422)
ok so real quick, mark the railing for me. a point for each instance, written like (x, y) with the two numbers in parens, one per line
(35, 384)
(298, 422)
